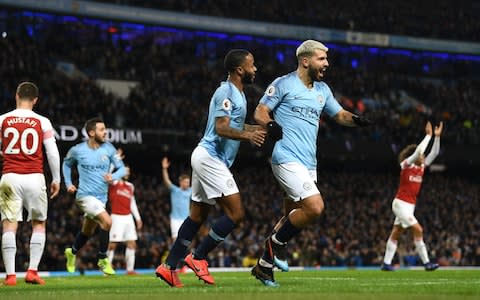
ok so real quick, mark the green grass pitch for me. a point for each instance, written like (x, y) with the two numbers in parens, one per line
(319, 285)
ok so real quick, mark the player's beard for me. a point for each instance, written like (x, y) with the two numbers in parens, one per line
(315, 74)
(100, 139)
(248, 78)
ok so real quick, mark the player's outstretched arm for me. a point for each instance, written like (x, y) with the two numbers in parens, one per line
(262, 117)
(436, 145)
(346, 118)
(166, 178)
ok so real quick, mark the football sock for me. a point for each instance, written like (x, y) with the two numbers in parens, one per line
(421, 250)
(286, 232)
(37, 244)
(9, 249)
(216, 235)
(110, 255)
(130, 258)
(80, 240)
(390, 250)
(265, 263)
(185, 236)
(103, 240)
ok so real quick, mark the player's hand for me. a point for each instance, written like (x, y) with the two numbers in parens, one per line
(54, 189)
(275, 131)
(362, 121)
(428, 128)
(108, 178)
(139, 224)
(120, 154)
(438, 129)
(257, 137)
(165, 163)
(71, 189)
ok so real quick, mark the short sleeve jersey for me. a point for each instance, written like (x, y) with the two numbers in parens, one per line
(22, 135)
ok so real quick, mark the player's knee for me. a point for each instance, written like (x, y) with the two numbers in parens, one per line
(107, 224)
(316, 210)
(418, 230)
(237, 215)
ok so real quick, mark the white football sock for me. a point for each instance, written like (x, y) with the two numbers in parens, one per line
(390, 250)
(421, 250)
(37, 244)
(9, 249)
(130, 259)
(110, 255)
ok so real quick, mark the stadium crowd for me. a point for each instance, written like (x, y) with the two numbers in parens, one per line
(177, 71)
(396, 89)
(432, 19)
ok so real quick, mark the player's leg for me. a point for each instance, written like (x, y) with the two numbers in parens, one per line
(130, 235)
(104, 221)
(130, 256)
(391, 247)
(112, 246)
(37, 244)
(234, 213)
(421, 248)
(189, 228)
(92, 207)
(9, 250)
(116, 234)
(36, 204)
(11, 209)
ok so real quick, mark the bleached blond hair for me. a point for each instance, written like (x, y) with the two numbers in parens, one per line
(308, 47)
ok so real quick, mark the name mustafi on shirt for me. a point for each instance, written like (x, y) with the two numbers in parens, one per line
(27, 121)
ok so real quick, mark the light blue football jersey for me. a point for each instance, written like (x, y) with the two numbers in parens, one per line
(180, 202)
(227, 101)
(297, 110)
(92, 165)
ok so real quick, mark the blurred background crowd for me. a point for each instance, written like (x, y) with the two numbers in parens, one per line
(177, 70)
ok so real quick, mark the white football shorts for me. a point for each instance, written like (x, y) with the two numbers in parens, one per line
(91, 206)
(175, 226)
(403, 213)
(123, 228)
(18, 191)
(210, 177)
(297, 181)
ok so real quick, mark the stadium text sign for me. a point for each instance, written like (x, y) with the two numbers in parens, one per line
(125, 136)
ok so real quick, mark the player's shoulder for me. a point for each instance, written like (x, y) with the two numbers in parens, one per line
(321, 86)
(109, 147)
(224, 90)
(285, 80)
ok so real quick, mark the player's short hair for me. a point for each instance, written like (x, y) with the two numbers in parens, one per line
(91, 124)
(406, 152)
(308, 47)
(183, 176)
(234, 59)
(27, 90)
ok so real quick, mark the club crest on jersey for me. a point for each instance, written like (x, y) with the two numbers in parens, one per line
(226, 104)
(320, 99)
(104, 158)
(270, 91)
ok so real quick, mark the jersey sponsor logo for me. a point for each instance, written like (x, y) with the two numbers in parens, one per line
(415, 178)
(227, 104)
(306, 112)
(270, 91)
